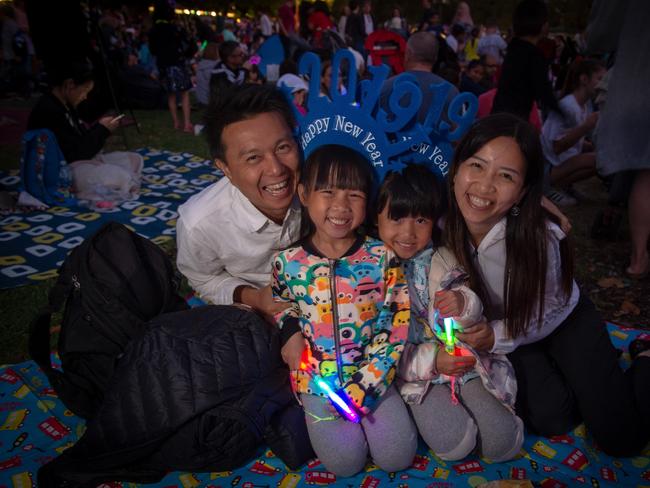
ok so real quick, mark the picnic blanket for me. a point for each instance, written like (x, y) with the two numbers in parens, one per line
(35, 427)
(33, 245)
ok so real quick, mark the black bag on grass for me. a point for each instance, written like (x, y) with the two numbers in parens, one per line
(111, 285)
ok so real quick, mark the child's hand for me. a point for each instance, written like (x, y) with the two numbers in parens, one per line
(453, 365)
(292, 351)
(449, 303)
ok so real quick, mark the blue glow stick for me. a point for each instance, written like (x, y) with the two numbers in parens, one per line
(339, 403)
(341, 406)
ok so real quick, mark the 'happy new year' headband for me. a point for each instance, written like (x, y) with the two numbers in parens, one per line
(384, 128)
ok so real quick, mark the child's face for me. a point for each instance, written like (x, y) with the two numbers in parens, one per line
(406, 236)
(336, 213)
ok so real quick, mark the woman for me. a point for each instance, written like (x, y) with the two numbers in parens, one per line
(109, 178)
(521, 266)
(57, 111)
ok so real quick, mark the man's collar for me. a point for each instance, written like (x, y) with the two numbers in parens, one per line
(248, 217)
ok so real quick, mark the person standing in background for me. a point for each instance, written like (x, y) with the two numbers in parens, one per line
(287, 15)
(171, 45)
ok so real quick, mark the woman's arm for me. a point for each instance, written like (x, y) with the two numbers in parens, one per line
(557, 306)
(561, 219)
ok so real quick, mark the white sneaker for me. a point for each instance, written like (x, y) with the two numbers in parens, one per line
(560, 198)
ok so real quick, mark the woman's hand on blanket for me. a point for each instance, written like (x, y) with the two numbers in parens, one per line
(453, 365)
(480, 336)
(449, 303)
(292, 351)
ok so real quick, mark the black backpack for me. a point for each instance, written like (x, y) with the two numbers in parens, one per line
(112, 285)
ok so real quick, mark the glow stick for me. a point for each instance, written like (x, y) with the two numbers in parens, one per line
(450, 338)
(339, 403)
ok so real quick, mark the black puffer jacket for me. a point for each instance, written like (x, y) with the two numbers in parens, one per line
(200, 390)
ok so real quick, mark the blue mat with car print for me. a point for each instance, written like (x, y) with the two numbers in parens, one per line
(35, 427)
(33, 245)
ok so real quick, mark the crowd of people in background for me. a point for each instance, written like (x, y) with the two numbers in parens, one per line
(154, 58)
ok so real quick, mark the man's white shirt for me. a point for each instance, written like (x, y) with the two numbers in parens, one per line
(225, 242)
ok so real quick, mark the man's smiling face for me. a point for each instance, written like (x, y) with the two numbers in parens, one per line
(262, 161)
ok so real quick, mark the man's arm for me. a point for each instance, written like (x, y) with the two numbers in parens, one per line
(199, 261)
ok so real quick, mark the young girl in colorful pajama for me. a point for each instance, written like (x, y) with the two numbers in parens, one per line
(476, 409)
(347, 320)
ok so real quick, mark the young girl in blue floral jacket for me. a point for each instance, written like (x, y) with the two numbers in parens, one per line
(459, 403)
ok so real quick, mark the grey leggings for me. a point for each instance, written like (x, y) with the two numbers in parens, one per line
(388, 433)
(453, 431)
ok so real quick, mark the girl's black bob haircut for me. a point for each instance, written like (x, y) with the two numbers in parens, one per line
(334, 166)
(415, 192)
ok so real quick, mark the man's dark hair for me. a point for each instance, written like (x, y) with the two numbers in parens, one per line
(226, 49)
(529, 18)
(241, 103)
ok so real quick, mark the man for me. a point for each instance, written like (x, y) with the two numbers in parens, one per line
(286, 15)
(456, 39)
(229, 70)
(228, 233)
(355, 28)
(266, 26)
(421, 54)
(524, 73)
(471, 79)
(490, 67)
(368, 19)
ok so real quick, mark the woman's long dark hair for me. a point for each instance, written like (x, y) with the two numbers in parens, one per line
(526, 234)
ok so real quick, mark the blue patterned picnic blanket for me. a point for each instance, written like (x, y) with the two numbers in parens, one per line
(33, 245)
(35, 427)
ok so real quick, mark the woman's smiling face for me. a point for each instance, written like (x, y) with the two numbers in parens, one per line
(488, 184)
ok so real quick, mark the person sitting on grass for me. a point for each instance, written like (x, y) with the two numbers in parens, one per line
(571, 157)
(56, 110)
